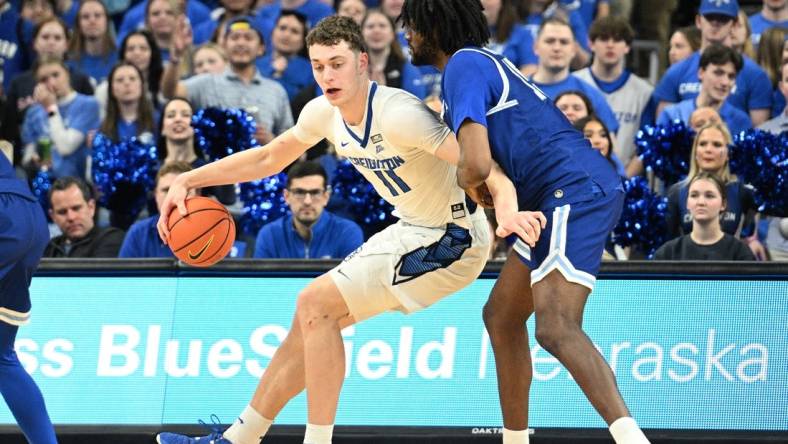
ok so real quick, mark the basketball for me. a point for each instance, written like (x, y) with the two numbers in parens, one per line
(204, 236)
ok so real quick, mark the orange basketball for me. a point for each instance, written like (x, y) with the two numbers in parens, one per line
(205, 235)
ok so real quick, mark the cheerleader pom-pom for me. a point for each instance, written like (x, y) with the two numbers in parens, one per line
(263, 201)
(41, 184)
(760, 159)
(642, 222)
(124, 173)
(372, 212)
(219, 132)
(665, 150)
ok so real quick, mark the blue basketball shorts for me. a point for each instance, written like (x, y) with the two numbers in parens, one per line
(574, 239)
(23, 237)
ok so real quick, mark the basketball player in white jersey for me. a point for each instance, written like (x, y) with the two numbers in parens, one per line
(439, 246)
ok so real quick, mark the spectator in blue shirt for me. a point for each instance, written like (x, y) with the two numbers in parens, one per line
(501, 16)
(774, 14)
(719, 66)
(213, 30)
(160, 18)
(12, 45)
(286, 60)
(309, 232)
(92, 47)
(387, 63)
(134, 18)
(752, 93)
(55, 128)
(555, 46)
(129, 110)
(314, 10)
(143, 240)
(50, 39)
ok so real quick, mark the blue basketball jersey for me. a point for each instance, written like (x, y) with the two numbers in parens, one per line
(550, 162)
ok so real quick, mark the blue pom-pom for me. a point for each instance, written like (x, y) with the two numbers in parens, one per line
(665, 150)
(372, 212)
(642, 221)
(761, 160)
(263, 202)
(124, 173)
(42, 183)
(219, 132)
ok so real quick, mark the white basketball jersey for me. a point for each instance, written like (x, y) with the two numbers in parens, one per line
(393, 148)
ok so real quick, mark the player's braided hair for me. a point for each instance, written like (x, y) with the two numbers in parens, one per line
(450, 24)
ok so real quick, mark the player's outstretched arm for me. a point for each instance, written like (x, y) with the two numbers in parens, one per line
(252, 164)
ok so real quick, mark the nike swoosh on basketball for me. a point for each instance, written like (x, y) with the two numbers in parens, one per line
(196, 256)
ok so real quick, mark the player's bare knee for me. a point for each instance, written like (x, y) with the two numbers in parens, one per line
(312, 309)
(551, 335)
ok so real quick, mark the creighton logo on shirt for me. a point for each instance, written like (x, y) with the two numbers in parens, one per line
(719, 3)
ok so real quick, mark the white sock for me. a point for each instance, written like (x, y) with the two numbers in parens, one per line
(626, 431)
(318, 434)
(515, 436)
(249, 428)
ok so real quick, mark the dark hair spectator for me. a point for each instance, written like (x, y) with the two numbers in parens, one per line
(387, 64)
(73, 209)
(706, 203)
(92, 46)
(309, 231)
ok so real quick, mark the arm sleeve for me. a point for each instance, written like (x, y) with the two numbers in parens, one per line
(314, 122)
(760, 96)
(196, 86)
(425, 129)
(466, 98)
(65, 140)
(667, 90)
(262, 245)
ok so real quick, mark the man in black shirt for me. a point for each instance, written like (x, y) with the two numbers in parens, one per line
(73, 209)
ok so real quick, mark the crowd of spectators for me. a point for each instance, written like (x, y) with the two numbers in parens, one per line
(76, 69)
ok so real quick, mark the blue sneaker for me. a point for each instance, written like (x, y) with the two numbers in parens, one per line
(215, 437)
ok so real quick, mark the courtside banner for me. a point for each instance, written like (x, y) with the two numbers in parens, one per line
(688, 354)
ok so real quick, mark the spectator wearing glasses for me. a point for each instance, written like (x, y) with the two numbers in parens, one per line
(309, 232)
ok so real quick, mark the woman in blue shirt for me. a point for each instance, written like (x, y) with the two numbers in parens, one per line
(387, 63)
(92, 46)
(129, 111)
(55, 128)
(129, 114)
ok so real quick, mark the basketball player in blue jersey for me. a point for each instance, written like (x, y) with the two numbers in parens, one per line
(439, 246)
(499, 115)
(23, 237)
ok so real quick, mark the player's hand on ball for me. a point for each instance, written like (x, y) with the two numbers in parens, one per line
(481, 195)
(175, 198)
(527, 225)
